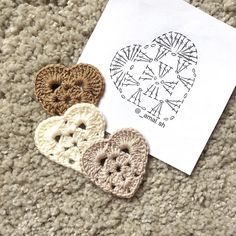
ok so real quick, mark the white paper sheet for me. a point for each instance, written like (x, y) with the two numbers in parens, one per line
(170, 70)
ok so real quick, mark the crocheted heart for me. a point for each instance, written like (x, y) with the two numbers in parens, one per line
(117, 165)
(156, 78)
(64, 139)
(57, 88)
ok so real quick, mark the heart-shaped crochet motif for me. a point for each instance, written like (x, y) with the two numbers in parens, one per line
(158, 77)
(117, 165)
(57, 88)
(64, 139)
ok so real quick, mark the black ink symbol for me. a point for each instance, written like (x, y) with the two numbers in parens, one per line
(182, 65)
(187, 82)
(130, 52)
(156, 111)
(164, 69)
(152, 91)
(179, 45)
(119, 79)
(141, 56)
(136, 97)
(174, 104)
(137, 110)
(194, 72)
(130, 81)
(161, 52)
(147, 74)
(169, 86)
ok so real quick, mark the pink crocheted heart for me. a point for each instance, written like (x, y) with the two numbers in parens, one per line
(117, 165)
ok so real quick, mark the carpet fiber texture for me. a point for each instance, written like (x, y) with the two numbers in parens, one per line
(39, 197)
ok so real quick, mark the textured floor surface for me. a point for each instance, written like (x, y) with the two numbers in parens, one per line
(38, 197)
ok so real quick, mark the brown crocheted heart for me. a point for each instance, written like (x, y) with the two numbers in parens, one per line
(57, 88)
(117, 165)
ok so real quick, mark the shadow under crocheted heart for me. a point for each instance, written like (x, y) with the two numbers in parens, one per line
(117, 165)
(63, 139)
(57, 88)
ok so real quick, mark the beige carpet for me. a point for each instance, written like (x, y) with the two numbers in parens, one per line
(38, 197)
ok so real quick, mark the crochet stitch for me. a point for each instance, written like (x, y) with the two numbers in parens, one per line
(63, 139)
(57, 88)
(117, 165)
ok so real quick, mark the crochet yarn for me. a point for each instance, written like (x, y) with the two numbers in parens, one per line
(57, 88)
(117, 165)
(63, 139)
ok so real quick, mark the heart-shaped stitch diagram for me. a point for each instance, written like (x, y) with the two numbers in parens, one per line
(117, 165)
(64, 139)
(156, 78)
(57, 88)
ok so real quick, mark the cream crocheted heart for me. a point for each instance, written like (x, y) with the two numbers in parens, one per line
(64, 139)
(117, 165)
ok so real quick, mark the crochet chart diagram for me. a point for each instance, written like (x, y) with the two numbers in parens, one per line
(156, 78)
